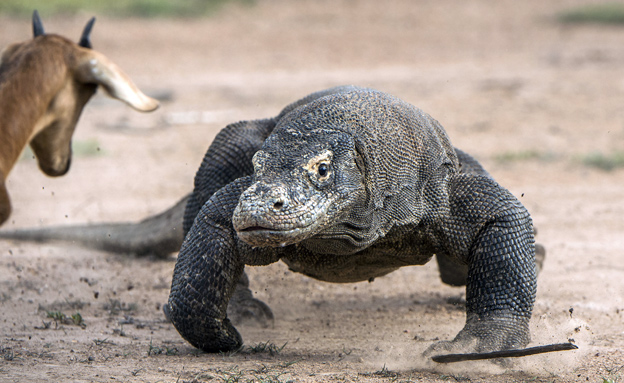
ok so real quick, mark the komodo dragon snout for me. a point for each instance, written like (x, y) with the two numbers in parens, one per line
(297, 189)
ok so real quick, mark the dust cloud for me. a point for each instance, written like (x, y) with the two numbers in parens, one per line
(408, 356)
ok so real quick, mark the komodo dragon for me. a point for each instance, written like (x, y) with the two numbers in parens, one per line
(348, 185)
(345, 185)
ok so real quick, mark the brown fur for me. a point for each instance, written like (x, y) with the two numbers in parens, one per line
(5, 203)
(44, 85)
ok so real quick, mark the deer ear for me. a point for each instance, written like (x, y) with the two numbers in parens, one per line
(95, 68)
(37, 24)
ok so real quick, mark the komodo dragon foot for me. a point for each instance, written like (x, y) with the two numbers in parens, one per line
(244, 309)
(500, 332)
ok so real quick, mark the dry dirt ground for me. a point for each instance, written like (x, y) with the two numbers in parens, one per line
(529, 97)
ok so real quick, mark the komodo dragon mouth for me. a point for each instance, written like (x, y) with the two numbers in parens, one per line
(268, 236)
(259, 225)
(258, 228)
(264, 229)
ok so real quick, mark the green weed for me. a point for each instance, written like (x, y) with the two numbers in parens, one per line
(7, 354)
(600, 13)
(115, 306)
(266, 347)
(101, 342)
(77, 320)
(383, 373)
(117, 8)
(61, 318)
(56, 315)
(602, 161)
(263, 374)
(154, 350)
(613, 376)
(523, 155)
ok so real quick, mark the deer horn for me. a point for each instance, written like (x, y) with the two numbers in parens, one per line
(37, 25)
(85, 42)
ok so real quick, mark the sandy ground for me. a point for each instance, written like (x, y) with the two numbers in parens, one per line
(529, 97)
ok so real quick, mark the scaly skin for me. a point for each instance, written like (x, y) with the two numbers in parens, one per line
(347, 185)
(159, 235)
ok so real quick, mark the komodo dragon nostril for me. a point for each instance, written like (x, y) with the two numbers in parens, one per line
(277, 197)
(278, 205)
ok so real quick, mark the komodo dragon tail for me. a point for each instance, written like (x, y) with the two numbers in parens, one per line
(158, 235)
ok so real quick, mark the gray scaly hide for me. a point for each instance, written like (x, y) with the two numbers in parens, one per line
(346, 185)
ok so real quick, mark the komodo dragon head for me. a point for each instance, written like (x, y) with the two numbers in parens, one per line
(303, 180)
(347, 166)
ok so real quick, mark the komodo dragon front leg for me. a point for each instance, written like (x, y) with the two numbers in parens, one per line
(227, 159)
(497, 246)
(207, 272)
(456, 273)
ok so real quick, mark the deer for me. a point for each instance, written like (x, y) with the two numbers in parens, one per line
(45, 83)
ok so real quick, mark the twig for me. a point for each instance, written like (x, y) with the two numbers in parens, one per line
(452, 358)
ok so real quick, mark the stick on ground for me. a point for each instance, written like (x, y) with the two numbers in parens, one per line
(452, 358)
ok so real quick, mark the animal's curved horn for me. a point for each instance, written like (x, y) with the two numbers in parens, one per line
(95, 68)
(85, 42)
(37, 24)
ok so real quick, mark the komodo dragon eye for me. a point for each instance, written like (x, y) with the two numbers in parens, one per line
(323, 169)
(319, 167)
